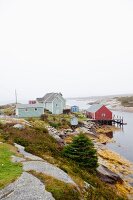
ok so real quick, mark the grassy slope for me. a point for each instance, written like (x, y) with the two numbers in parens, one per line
(38, 142)
(61, 121)
(59, 189)
(8, 171)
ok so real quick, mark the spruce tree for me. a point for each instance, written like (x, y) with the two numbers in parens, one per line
(82, 151)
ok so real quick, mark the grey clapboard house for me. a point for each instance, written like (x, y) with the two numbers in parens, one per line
(29, 110)
(54, 102)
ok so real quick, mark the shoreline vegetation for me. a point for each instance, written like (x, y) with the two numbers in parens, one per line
(37, 140)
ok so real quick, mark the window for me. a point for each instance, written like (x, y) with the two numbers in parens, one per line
(103, 114)
(26, 110)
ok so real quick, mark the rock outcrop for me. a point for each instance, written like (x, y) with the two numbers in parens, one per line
(27, 187)
(108, 176)
(37, 164)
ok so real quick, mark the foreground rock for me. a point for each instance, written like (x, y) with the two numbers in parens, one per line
(39, 165)
(27, 187)
(108, 176)
(49, 169)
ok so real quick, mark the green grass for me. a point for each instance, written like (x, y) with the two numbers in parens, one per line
(59, 122)
(8, 171)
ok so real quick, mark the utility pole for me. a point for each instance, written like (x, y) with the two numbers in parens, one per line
(16, 97)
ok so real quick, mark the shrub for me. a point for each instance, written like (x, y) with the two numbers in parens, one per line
(21, 141)
(5, 135)
(55, 125)
(40, 125)
(45, 130)
(44, 117)
(82, 151)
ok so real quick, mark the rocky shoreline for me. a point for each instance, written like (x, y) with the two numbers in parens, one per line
(115, 105)
(115, 169)
(122, 109)
(116, 163)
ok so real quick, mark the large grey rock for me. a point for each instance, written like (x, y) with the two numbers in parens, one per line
(49, 169)
(27, 187)
(107, 175)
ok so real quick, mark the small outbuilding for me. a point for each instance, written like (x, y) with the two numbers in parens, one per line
(32, 101)
(74, 121)
(74, 109)
(29, 110)
(99, 112)
(66, 111)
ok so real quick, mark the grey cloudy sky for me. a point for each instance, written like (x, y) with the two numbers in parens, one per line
(77, 47)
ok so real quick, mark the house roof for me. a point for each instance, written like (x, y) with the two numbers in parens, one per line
(49, 97)
(29, 106)
(94, 108)
(75, 106)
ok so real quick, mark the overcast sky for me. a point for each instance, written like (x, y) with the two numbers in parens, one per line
(77, 47)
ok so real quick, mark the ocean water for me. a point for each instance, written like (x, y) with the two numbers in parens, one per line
(123, 137)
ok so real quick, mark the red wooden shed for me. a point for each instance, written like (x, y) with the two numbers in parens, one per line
(99, 112)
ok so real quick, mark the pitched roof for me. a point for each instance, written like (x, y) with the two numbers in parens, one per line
(49, 97)
(75, 106)
(94, 108)
(45, 97)
(37, 105)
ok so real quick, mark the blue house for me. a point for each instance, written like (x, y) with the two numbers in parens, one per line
(29, 110)
(74, 109)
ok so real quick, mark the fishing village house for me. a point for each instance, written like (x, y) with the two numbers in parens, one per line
(54, 102)
(99, 112)
(29, 110)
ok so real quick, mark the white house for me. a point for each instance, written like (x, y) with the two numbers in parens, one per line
(54, 102)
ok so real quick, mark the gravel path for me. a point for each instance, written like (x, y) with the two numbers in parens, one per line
(27, 187)
(48, 169)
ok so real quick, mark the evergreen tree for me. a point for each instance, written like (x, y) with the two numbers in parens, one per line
(82, 151)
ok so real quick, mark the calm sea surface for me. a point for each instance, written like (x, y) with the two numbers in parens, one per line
(123, 137)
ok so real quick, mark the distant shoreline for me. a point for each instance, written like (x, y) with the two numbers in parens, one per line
(123, 109)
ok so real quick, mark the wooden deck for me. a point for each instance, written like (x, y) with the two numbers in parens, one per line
(118, 121)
